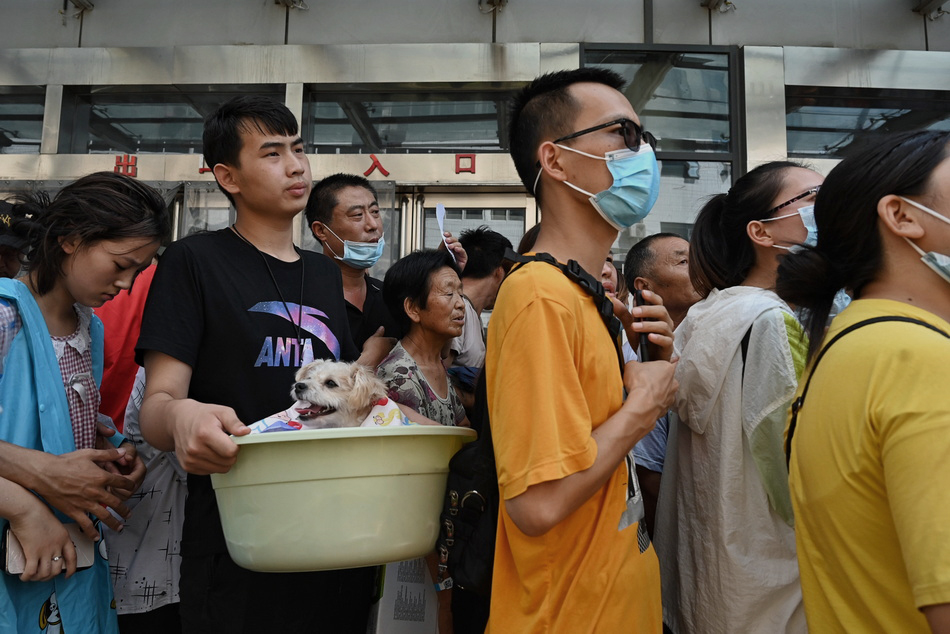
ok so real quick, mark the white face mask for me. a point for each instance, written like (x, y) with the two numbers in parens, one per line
(939, 263)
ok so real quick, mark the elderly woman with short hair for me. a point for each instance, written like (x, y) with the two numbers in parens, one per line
(423, 292)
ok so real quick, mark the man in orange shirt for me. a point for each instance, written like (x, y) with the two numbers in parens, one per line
(571, 555)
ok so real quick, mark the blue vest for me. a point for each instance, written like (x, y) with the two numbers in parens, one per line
(36, 415)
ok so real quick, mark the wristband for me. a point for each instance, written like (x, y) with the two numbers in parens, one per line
(445, 584)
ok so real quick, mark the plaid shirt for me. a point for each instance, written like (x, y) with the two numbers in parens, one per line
(9, 326)
(74, 355)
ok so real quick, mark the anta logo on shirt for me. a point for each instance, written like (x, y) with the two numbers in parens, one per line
(287, 351)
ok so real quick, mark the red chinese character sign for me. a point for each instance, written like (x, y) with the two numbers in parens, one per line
(125, 164)
(377, 165)
(465, 163)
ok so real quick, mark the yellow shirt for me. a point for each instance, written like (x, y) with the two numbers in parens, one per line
(869, 475)
(553, 377)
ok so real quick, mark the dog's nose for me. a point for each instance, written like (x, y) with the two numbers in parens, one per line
(300, 387)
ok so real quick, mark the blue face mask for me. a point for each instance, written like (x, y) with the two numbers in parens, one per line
(808, 219)
(841, 301)
(807, 214)
(939, 263)
(359, 255)
(635, 188)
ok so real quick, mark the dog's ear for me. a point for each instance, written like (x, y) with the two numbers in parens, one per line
(367, 388)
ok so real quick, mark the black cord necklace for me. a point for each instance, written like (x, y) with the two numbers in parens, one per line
(277, 287)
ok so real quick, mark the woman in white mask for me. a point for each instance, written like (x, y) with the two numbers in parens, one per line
(725, 533)
(869, 442)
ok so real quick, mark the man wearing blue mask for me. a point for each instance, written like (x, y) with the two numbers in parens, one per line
(571, 554)
(343, 213)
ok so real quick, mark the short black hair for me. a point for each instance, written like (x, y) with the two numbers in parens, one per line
(486, 251)
(97, 207)
(411, 278)
(323, 195)
(221, 139)
(545, 109)
(641, 257)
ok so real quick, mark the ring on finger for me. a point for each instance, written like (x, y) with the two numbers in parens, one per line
(57, 557)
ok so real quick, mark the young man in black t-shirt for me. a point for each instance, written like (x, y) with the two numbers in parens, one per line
(230, 317)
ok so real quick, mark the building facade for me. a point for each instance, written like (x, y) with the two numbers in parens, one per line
(414, 94)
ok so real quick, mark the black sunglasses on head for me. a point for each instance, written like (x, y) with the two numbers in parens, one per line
(633, 134)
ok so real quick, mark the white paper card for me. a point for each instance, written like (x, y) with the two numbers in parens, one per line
(440, 217)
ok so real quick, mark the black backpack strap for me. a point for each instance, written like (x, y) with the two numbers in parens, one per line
(798, 402)
(480, 417)
(586, 281)
(744, 347)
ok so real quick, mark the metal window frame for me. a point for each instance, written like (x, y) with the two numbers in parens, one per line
(737, 150)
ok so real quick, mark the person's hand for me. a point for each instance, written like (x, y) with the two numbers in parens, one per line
(45, 542)
(651, 387)
(77, 485)
(130, 464)
(201, 435)
(461, 257)
(376, 348)
(652, 319)
(132, 467)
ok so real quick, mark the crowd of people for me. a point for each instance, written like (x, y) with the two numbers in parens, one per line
(672, 478)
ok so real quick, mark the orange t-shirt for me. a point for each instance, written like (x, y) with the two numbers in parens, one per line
(553, 377)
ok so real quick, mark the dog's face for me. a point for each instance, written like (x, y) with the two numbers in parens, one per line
(335, 394)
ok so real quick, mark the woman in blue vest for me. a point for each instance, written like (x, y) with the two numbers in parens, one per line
(84, 246)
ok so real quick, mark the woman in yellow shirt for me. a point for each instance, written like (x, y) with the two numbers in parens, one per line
(870, 450)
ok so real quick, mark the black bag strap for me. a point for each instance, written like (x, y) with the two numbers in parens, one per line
(798, 402)
(589, 284)
(744, 347)
(480, 416)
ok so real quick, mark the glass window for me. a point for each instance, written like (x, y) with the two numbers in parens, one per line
(828, 122)
(685, 96)
(146, 119)
(681, 229)
(391, 215)
(685, 186)
(205, 208)
(21, 119)
(406, 121)
(507, 221)
(682, 97)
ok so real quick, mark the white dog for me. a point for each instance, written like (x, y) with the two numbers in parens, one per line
(335, 394)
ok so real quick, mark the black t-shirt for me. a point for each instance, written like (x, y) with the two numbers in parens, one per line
(364, 323)
(214, 306)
